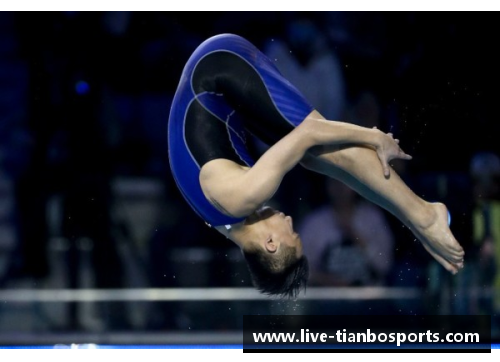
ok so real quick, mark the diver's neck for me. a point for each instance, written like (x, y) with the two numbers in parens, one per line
(234, 232)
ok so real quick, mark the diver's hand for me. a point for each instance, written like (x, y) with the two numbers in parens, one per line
(388, 149)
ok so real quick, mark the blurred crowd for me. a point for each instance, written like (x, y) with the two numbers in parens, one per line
(86, 194)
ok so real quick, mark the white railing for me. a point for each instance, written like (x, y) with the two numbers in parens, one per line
(199, 294)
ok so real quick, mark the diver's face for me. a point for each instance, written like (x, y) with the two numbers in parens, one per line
(270, 229)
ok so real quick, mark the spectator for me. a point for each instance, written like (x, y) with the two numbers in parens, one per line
(348, 242)
(306, 60)
(485, 171)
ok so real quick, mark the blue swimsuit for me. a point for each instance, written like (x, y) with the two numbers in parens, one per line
(228, 89)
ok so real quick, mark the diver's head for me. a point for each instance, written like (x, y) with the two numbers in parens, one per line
(273, 251)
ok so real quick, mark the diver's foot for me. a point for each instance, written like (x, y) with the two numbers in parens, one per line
(437, 239)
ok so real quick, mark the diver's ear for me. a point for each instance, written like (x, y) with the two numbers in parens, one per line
(271, 246)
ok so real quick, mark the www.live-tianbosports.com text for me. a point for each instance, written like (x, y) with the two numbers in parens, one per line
(342, 336)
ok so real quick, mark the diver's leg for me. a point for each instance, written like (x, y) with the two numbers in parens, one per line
(360, 168)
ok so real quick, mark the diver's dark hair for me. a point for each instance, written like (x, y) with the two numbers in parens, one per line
(282, 275)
